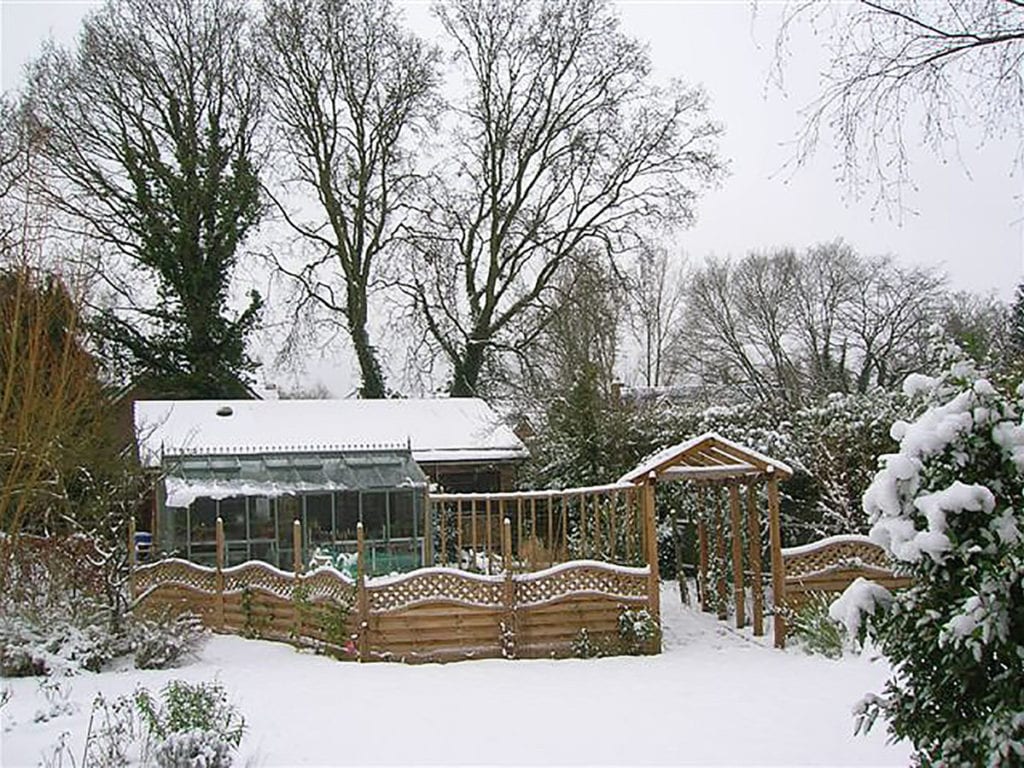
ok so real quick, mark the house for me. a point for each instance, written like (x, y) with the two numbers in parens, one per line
(260, 465)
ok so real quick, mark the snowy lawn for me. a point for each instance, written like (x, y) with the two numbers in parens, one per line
(714, 697)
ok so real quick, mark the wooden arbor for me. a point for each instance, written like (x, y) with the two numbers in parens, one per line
(718, 467)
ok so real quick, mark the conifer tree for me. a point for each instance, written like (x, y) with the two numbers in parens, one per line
(148, 128)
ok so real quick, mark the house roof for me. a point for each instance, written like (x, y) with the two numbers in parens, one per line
(709, 456)
(436, 430)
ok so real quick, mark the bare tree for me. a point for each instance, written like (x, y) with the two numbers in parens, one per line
(830, 276)
(655, 313)
(789, 329)
(889, 323)
(741, 326)
(350, 94)
(932, 65)
(562, 144)
(148, 128)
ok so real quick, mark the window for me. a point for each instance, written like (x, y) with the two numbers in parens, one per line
(203, 523)
(347, 514)
(402, 516)
(319, 525)
(375, 515)
(261, 522)
(232, 512)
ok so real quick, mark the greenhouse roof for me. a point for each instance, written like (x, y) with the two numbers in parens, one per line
(221, 476)
(436, 430)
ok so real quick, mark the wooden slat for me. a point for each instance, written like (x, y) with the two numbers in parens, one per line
(778, 570)
(736, 529)
(757, 577)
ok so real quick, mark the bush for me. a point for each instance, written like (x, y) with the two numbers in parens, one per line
(813, 627)
(585, 647)
(948, 506)
(167, 642)
(638, 630)
(193, 725)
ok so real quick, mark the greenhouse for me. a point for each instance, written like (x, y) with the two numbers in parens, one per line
(259, 497)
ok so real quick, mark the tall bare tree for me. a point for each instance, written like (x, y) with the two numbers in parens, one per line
(741, 324)
(350, 93)
(562, 143)
(784, 328)
(928, 65)
(655, 313)
(148, 128)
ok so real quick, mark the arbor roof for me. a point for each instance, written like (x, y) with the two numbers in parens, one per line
(707, 457)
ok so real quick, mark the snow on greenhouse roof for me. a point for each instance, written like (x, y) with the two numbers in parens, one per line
(437, 430)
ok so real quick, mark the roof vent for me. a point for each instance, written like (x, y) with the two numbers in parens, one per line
(224, 410)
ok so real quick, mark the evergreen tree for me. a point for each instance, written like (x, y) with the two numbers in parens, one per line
(1017, 324)
(148, 129)
(948, 507)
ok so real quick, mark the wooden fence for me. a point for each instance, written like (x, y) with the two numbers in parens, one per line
(830, 566)
(605, 523)
(512, 596)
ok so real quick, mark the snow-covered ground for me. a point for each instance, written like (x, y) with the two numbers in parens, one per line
(714, 697)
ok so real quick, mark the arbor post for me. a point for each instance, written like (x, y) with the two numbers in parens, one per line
(651, 534)
(778, 576)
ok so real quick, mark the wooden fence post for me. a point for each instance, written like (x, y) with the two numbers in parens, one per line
(131, 559)
(702, 543)
(721, 588)
(489, 538)
(428, 529)
(739, 594)
(220, 574)
(508, 633)
(442, 529)
(297, 591)
(362, 608)
(778, 575)
(651, 530)
(754, 534)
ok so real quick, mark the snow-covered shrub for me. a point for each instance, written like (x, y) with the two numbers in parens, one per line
(34, 645)
(812, 626)
(192, 725)
(585, 647)
(949, 507)
(166, 642)
(638, 630)
(21, 649)
(193, 749)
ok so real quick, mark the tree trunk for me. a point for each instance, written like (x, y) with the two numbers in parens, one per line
(372, 387)
(467, 371)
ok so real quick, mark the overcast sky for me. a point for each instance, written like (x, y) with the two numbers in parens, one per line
(967, 214)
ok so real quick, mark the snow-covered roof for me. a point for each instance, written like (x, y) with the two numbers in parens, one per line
(707, 455)
(437, 430)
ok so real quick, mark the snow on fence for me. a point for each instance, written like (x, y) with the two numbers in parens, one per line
(831, 565)
(442, 613)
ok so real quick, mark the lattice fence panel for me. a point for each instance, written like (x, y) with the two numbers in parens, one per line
(835, 555)
(326, 584)
(173, 571)
(578, 579)
(434, 586)
(256, 575)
